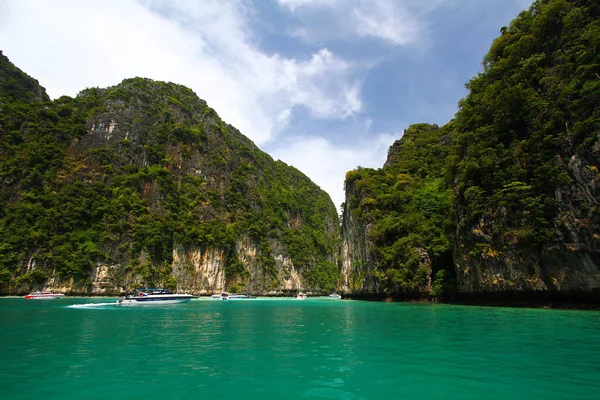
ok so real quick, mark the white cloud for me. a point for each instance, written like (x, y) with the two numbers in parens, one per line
(327, 163)
(395, 22)
(302, 82)
(385, 21)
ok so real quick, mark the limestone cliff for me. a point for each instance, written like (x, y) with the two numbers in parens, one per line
(143, 184)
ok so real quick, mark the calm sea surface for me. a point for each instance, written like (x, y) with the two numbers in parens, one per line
(288, 349)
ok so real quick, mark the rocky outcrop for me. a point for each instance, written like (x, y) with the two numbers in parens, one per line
(203, 272)
(526, 180)
(199, 272)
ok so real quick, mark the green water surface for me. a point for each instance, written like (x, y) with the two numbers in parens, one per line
(76, 348)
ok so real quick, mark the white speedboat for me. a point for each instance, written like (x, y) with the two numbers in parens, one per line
(148, 296)
(231, 296)
(44, 296)
(301, 296)
(334, 296)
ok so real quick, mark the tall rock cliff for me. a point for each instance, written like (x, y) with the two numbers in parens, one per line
(143, 184)
(503, 200)
(528, 135)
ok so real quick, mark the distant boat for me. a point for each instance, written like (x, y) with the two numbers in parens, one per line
(44, 296)
(301, 296)
(335, 296)
(231, 296)
(149, 296)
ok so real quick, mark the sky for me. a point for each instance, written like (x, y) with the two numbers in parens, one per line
(323, 85)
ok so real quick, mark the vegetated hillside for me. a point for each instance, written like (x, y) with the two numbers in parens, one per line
(521, 158)
(143, 184)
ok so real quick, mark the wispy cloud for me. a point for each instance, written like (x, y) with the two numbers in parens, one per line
(384, 21)
(394, 22)
(294, 4)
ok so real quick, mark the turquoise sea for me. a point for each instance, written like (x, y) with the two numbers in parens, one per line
(76, 348)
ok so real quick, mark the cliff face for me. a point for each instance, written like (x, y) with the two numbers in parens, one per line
(203, 272)
(143, 184)
(570, 261)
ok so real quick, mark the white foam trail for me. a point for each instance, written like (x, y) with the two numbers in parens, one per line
(92, 305)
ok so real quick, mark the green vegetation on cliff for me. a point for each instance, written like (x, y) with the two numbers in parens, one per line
(536, 101)
(124, 176)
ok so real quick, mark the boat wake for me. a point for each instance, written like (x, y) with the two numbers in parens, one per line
(92, 305)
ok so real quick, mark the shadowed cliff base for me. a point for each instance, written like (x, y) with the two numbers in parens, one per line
(405, 297)
(589, 300)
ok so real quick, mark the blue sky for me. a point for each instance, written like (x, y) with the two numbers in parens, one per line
(323, 85)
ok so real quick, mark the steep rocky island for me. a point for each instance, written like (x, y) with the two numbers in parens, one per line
(500, 204)
(143, 184)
